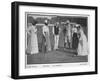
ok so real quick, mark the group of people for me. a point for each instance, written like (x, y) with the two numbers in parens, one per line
(74, 38)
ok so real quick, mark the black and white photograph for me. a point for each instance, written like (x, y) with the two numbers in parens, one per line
(56, 38)
(51, 40)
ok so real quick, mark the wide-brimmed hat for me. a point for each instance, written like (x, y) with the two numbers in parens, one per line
(67, 22)
(77, 25)
(57, 23)
(46, 21)
(30, 19)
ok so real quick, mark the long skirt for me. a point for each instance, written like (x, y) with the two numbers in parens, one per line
(83, 47)
(43, 45)
(48, 44)
(32, 47)
(75, 41)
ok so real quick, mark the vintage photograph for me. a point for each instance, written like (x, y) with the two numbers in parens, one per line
(56, 38)
(49, 40)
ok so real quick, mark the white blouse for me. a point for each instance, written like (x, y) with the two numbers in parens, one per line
(45, 29)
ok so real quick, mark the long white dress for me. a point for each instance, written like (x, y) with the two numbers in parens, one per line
(32, 47)
(47, 37)
(69, 36)
(83, 44)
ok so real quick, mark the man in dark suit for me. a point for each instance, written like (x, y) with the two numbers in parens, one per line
(56, 31)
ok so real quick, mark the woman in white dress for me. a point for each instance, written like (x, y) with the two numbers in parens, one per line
(46, 37)
(83, 44)
(32, 47)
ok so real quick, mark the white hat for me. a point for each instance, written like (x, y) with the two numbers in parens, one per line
(46, 21)
(67, 21)
(77, 25)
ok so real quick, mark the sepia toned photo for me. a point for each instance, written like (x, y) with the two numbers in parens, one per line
(56, 38)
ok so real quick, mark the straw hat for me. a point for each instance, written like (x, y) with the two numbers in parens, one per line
(46, 21)
(31, 20)
(67, 22)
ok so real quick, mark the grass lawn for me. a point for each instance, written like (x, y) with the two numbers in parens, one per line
(56, 56)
